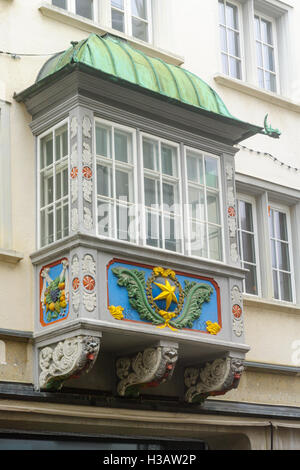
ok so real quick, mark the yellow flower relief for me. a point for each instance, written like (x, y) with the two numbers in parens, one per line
(116, 312)
(212, 328)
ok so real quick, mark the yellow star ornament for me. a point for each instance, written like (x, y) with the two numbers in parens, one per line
(167, 292)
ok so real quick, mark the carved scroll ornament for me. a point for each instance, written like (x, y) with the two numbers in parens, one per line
(214, 378)
(67, 359)
(149, 368)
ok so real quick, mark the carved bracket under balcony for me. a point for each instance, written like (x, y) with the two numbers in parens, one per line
(67, 359)
(148, 368)
(214, 378)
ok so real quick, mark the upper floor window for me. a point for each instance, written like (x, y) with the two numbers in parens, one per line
(265, 53)
(83, 8)
(131, 17)
(230, 39)
(247, 240)
(280, 240)
(54, 191)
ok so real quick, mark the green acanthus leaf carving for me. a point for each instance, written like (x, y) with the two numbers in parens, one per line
(195, 295)
(134, 281)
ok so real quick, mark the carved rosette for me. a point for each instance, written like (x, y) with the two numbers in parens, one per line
(67, 359)
(237, 311)
(231, 213)
(212, 379)
(149, 368)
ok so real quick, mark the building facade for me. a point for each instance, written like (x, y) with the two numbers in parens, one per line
(149, 224)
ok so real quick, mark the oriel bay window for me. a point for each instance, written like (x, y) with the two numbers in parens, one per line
(53, 195)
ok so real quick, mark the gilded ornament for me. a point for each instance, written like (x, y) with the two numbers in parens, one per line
(212, 328)
(116, 312)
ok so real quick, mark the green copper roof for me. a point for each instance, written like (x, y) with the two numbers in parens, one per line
(118, 58)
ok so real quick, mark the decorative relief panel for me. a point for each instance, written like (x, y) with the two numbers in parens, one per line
(212, 379)
(231, 213)
(87, 173)
(163, 297)
(83, 272)
(67, 359)
(148, 368)
(237, 310)
(54, 292)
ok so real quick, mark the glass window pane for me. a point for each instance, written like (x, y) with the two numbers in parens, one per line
(248, 247)
(259, 54)
(47, 189)
(273, 254)
(168, 160)
(47, 235)
(280, 225)
(60, 3)
(285, 287)
(196, 203)
(150, 154)
(225, 65)
(105, 219)
(223, 39)
(231, 16)
(269, 58)
(124, 186)
(58, 222)
(245, 214)
(169, 196)
(275, 285)
(235, 68)
(270, 81)
(215, 243)
(213, 209)
(122, 146)
(118, 4)
(261, 80)
(84, 8)
(152, 192)
(46, 151)
(233, 43)
(194, 167)
(251, 279)
(153, 229)
(211, 172)
(117, 20)
(61, 143)
(222, 11)
(65, 220)
(104, 181)
(61, 174)
(283, 256)
(139, 8)
(103, 139)
(266, 32)
(140, 29)
(123, 222)
(198, 239)
(257, 28)
(172, 237)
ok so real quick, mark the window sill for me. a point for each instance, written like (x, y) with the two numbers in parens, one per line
(10, 256)
(257, 92)
(91, 27)
(266, 304)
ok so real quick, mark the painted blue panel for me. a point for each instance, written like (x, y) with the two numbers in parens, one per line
(118, 296)
(48, 316)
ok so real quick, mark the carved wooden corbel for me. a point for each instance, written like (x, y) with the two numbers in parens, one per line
(214, 378)
(67, 359)
(148, 368)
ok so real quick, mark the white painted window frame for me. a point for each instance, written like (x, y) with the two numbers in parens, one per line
(275, 48)
(38, 208)
(220, 192)
(71, 7)
(251, 200)
(128, 16)
(165, 177)
(241, 36)
(111, 162)
(286, 211)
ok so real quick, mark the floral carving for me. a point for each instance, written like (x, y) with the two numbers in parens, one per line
(86, 126)
(149, 368)
(213, 378)
(67, 359)
(86, 154)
